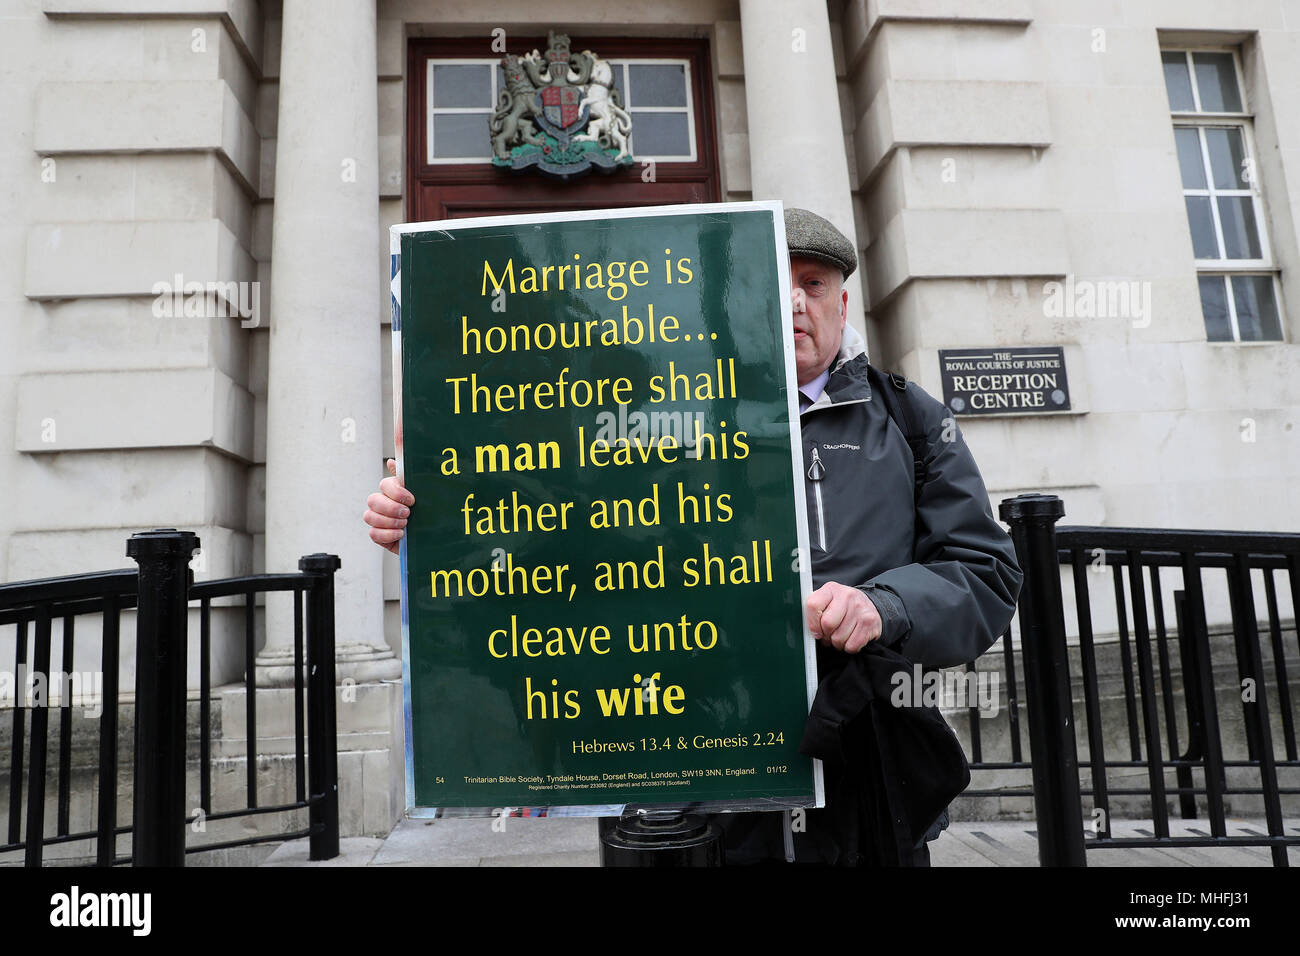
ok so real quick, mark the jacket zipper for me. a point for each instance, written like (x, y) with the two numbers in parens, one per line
(816, 472)
(788, 834)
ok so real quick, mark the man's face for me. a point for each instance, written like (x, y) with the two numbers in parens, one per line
(820, 305)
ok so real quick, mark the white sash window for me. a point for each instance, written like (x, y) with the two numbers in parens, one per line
(462, 95)
(1225, 210)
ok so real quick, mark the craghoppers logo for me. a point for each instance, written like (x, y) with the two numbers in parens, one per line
(842, 445)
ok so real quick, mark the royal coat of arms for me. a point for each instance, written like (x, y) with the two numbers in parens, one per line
(560, 112)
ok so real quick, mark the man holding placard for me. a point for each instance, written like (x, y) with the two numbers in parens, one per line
(904, 547)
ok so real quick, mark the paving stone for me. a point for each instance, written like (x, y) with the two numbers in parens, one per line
(573, 858)
(431, 842)
(948, 850)
(353, 851)
(574, 841)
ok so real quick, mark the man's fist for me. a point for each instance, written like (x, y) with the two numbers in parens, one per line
(842, 617)
(387, 511)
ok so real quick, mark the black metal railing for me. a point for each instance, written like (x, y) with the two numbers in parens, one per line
(162, 590)
(999, 757)
(1172, 730)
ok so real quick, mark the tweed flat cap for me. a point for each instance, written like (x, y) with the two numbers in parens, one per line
(808, 234)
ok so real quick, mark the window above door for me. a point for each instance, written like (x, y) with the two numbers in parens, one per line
(455, 84)
(462, 95)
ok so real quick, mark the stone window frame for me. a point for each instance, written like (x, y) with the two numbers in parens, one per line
(619, 63)
(1201, 120)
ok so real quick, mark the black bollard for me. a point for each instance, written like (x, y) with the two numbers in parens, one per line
(1058, 806)
(661, 838)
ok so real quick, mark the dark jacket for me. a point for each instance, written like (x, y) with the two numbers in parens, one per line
(890, 770)
(943, 574)
(940, 570)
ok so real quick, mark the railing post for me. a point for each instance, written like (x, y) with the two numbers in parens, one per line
(322, 726)
(1191, 666)
(158, 836)
(1057, 801)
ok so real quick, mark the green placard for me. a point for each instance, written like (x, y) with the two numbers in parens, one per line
(601, 587)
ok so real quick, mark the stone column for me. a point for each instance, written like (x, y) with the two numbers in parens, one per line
(323, 442)
(797, 150)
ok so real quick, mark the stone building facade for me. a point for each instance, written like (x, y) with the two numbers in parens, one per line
(193, 256)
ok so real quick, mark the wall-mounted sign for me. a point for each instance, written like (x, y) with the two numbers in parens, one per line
(560, 112)
(1004, 380)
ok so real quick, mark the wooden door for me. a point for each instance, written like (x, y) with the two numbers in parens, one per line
(452, 89)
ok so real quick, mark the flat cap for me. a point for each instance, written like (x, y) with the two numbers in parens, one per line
(808, 234)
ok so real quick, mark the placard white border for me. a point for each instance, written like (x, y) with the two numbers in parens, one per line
(777, 211)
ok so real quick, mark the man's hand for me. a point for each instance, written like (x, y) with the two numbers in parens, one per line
(842, 617)
(387, 510)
